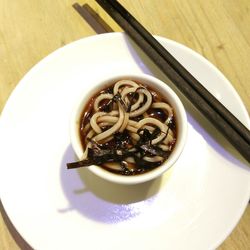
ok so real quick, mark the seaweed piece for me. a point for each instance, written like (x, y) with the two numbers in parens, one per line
(145, 136)
(123, 140)
(122, 147)
(118, 98)
(154, 150)
(99, 156)
(131, 98)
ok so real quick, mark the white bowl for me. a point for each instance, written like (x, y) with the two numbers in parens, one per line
(180, 116)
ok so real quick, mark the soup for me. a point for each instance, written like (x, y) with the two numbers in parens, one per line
(127, 128)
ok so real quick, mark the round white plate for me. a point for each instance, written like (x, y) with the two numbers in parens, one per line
(193, 206)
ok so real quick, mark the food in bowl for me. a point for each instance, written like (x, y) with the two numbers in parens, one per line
(127, 128)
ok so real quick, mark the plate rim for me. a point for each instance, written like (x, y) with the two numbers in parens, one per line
(44, 60)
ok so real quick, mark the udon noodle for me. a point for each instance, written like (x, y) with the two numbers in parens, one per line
(127, 128)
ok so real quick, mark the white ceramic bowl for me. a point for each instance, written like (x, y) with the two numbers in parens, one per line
(173, 100)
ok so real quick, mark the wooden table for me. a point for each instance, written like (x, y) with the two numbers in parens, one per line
(219, 30)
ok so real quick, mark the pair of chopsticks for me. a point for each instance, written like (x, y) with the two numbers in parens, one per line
(231, 128)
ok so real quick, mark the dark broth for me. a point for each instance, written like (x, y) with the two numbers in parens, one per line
(118, 149)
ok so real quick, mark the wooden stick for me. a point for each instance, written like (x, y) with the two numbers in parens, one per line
(190, 79)
(231, 128)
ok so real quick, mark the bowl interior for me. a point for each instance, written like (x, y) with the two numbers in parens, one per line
(170, 96)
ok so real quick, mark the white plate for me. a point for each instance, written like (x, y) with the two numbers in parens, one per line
(194, 206)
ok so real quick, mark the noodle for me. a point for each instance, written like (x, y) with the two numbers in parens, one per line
(122, 127)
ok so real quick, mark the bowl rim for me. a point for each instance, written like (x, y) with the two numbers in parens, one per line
(156, 84)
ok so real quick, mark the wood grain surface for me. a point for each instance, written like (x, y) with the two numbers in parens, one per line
(217, 29)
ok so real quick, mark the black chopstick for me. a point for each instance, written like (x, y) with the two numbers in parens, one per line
(232, 129)
(225, 113)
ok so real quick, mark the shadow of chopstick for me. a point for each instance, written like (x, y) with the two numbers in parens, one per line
(92, 18)
(14, 233)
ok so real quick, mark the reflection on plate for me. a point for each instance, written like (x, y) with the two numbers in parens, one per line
(193, 206)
